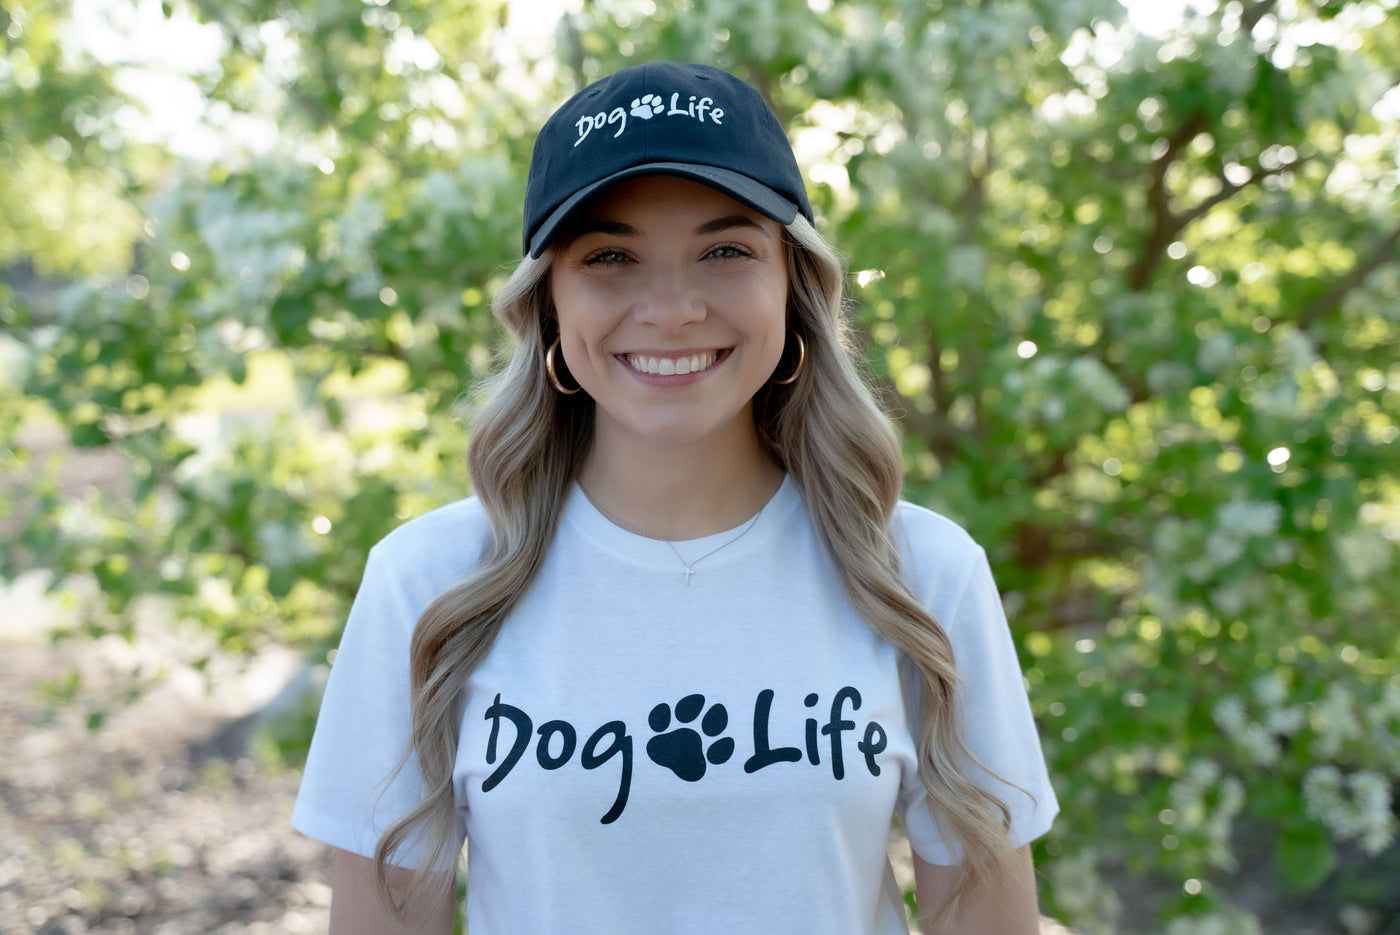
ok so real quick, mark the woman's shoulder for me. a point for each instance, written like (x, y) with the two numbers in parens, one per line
(937, 553)
(930, 531)
(447, 540)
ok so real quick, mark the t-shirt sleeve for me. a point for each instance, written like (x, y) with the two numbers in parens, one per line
(995, 716)
(350, 793)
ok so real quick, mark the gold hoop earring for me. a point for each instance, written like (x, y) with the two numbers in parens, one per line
(554, 377)
(801, 360)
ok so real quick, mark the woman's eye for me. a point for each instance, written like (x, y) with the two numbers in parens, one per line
(607, 257)
(728, 251)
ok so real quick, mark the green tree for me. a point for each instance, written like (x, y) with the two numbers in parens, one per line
(1128, 286)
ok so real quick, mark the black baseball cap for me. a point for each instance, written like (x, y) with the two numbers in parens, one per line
(664, 118)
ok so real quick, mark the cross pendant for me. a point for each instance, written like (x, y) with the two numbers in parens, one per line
(688, 572)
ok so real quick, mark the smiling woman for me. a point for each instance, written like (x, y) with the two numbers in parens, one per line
(671, 303)
(686, 654)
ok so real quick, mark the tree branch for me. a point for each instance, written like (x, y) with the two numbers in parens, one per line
(1058, 467)
(1229, 189)
(572, 48)
(1159, 202)
(1384, 252)
(1167, 224)
(945, 439)
(941, 399)
(1254, 13)
(974, 195)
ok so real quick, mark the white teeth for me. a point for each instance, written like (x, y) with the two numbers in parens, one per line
(672, 366)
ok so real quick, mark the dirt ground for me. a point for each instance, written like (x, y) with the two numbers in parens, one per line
(159, 821)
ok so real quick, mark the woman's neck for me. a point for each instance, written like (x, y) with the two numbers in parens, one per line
(682, 491)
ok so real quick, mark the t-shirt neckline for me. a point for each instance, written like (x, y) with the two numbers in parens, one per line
(582, 515)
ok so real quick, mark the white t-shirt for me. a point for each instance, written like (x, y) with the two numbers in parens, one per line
(641, 754)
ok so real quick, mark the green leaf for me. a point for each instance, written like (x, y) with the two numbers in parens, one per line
(89, 435)
(335, 411)
(1306, 856)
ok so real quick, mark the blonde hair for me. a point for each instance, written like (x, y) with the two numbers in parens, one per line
(528, 443)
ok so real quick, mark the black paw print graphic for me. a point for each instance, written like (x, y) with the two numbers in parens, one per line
(682, 750)
(647, 106)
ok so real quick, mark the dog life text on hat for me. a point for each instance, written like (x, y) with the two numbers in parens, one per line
(693, 121)
(645, 108)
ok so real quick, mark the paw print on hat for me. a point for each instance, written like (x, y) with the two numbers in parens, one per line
(682, 750)
(647, 106)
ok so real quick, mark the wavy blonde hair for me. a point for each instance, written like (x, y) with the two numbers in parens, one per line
(527, 445)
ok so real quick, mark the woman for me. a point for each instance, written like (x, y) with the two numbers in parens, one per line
(682, 658)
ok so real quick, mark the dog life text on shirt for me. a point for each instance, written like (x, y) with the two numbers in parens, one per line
(682, 750)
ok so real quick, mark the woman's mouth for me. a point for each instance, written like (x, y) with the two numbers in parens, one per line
(672, 366)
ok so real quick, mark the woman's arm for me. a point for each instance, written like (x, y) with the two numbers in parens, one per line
(355, 909)
(1006, 909)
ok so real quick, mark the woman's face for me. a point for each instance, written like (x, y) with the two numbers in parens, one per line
(672, 305)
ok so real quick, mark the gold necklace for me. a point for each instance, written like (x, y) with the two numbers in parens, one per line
(690, 566)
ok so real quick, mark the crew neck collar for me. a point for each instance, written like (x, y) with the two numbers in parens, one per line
(582, 515)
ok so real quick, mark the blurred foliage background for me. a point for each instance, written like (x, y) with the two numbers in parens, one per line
(1130, 278)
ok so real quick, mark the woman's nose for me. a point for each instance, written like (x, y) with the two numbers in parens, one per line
(670, 301)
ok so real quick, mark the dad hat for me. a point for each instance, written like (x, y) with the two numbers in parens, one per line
(664, 118)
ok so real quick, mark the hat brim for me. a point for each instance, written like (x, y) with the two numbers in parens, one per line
(740, 187)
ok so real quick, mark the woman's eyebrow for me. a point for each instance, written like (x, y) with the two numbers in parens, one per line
(730, 222)
(600, 226)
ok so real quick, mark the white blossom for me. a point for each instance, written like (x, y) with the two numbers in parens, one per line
(1249, 518)
(355, 232)
(1083, 894)
(1286, 721)
(1279, 400)
(1235, 594)
(254, 249)
(1236, 523)
(1191, 796)
(1364, 553)
(1388, 708)
(1257, 734)
(1172, 536)
(1229, 715)
(217, 595)
(1383, 729)
(1216, 353)
(1095, 380)
(1259, 744)
(1299, 349)
(283, 544)
(1270, 690)
(1224, 547)
(1168, 376)
(1352, 807)
(1336, 722)
(1371, 796)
